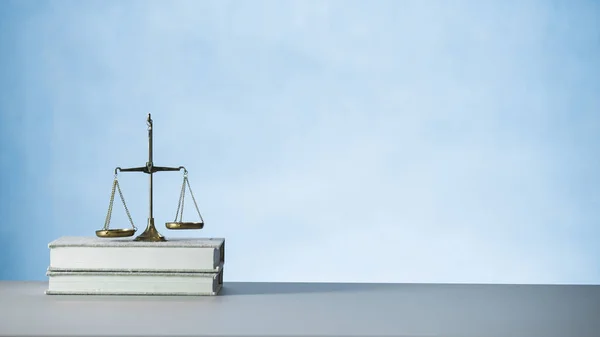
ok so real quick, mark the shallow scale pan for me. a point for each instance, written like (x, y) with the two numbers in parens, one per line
(184, 225)
(115, 233)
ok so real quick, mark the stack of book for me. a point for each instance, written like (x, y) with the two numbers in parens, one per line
(101, 266)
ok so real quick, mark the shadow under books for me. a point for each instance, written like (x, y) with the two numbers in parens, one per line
(268, 288)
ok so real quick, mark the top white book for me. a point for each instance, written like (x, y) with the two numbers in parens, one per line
(73, 253)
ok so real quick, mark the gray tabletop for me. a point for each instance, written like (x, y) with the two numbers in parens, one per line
(311, 309)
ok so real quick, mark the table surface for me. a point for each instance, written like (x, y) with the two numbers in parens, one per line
(311, 309)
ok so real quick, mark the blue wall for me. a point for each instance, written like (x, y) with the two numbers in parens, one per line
(374, 141)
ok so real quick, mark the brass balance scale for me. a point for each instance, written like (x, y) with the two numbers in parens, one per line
(150, 234)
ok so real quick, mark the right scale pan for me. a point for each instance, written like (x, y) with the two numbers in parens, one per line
(184, 225)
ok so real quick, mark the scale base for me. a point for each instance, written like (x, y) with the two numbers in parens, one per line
(150, 234)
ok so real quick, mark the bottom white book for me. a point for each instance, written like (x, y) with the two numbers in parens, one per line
(134, 283)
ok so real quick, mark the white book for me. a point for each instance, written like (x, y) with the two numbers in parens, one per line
(134, 283)
(71, 253)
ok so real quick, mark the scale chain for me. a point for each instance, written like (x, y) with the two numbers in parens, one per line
(193, 199)
(180, 205)
(124, 205)
(110, 205)
(181, 201)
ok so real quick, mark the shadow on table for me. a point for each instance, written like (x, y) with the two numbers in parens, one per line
(266, 288)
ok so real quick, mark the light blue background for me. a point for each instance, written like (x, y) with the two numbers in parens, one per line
(357, 141)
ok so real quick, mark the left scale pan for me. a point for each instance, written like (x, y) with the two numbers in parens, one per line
(115, 233)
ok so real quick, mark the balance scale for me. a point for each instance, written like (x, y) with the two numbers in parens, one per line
(150, 234)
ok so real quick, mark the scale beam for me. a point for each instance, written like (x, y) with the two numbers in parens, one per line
(148, 170)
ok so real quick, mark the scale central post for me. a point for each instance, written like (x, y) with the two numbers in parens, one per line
(150, 234)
